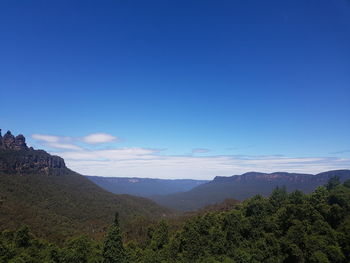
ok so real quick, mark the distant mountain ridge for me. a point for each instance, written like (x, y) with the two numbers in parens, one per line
(145, 187)
(244, 186)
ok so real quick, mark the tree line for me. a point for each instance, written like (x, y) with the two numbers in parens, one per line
(284, 227)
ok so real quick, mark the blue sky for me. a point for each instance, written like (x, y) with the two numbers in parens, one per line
(188, 89)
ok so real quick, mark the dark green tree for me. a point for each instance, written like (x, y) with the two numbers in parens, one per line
(22, 237)
(5, 252)
(77, 250)
(113, 249)
(333, 182)
(278, 197)
(347, 183)
(319, 257)
(160, 236)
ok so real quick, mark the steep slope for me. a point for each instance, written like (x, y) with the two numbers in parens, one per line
(243, 186)
(144, 186)
(37, 189)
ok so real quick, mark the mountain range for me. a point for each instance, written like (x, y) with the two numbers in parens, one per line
(37, 189)
(243, 186)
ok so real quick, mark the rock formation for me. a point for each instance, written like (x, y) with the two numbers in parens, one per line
(16, 157)
(10, 142)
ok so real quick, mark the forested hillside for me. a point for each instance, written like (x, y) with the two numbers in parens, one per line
(57, 207)
(284, 227)
(37, 189)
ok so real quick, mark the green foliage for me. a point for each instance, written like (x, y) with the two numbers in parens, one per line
(79, 249)
(319, 257)
(160, 236)
(21, 238)
(60, 207)
(278, 197)
(284, 228)
(347, 183)
(333, 182)
(113, 249)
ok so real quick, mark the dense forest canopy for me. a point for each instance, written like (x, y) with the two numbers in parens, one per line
(285, 227)
(59, 207)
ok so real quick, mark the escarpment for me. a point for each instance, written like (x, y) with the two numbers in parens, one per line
(17, 158)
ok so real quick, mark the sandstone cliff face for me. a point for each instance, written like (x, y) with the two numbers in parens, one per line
(17, 158)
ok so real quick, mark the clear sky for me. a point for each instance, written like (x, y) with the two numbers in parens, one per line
(179, 89)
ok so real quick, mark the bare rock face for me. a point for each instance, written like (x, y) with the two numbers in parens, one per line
(17, 158)
(31, 162)
(20, 143)
(10, 142)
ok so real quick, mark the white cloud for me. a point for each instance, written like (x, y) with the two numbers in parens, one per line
(56, 142)
(97, 138)
(72, 143)
(65, 146)
(46, 138)
(144, 162)
(140, 162)
(111, 155)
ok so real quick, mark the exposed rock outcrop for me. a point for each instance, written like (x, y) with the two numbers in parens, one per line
(20, 143)
(10, 142)
(16, 157)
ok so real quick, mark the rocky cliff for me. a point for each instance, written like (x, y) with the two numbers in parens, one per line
(17, 158)
(10, 142)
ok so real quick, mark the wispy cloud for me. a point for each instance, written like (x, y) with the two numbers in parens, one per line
(72, 143)
(140, 162)
(46, 138)
(200, 150)
(65, 146)
(146, 162)
(97, 138)
(56, 142)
